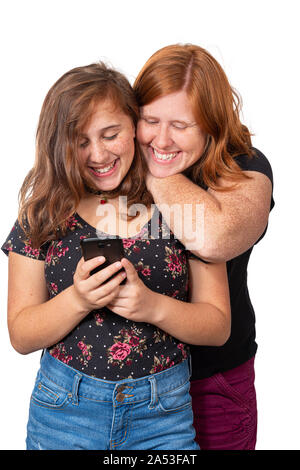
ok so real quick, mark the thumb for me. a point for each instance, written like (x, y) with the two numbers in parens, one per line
(131, 273)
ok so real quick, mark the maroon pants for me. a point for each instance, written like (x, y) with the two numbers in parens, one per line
(224, 405)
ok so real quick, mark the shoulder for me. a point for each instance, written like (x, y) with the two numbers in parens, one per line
(258, 163)
(17, 241)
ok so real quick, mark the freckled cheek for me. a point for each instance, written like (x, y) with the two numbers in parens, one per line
(82, 158)
(144, 134)
(123, 148)
(190, 146)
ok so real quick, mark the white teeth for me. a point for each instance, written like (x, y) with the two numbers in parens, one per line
(104, 170)
(164, 156)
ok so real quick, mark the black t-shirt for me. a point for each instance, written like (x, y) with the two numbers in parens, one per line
(241, 346)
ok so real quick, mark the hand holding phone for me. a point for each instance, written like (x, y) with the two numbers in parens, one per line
(112, 250)
(92, 289)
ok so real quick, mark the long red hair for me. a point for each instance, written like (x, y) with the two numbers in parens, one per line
(215, 105)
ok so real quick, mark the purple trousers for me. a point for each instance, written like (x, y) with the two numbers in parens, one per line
(225, 413)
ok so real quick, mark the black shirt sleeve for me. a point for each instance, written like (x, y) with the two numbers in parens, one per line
(258, 162)
(19, 243)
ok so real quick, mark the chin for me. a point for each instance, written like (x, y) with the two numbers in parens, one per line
(109, 184)
(109, 187)
(162, 172)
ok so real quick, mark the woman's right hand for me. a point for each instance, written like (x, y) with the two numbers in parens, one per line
(93, 292)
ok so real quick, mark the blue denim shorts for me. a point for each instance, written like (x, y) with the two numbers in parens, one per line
(71, 410)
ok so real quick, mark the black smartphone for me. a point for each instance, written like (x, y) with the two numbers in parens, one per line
(112, 249)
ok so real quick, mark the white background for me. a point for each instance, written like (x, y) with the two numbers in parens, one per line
(257, 43)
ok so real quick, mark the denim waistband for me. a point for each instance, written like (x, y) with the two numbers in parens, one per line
(128, 390)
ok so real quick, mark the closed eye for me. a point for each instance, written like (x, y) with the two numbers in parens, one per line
(178, 125)
(111, 137)
(84, 144)
(150, 121)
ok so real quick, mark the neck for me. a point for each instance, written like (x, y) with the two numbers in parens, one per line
(90, 190)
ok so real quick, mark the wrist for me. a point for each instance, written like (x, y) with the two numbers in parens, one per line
(76, 303)
(155, 309)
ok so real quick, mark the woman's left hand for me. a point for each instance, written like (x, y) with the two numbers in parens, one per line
(135, 301)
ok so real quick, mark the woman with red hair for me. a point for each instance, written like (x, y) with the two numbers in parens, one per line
(199, 153)
(115, 372)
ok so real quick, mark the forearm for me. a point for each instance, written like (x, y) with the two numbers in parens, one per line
(199, 214)
(40, 326)
(193, 323)
(228, 221)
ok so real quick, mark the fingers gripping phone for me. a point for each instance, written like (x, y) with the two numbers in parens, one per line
(111, 249)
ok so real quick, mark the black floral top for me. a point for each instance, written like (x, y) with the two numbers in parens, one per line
(104, 344)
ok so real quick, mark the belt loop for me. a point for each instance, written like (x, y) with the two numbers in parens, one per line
(153, 393)
(75, 386)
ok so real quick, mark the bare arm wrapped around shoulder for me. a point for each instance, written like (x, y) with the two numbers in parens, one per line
(231, 221)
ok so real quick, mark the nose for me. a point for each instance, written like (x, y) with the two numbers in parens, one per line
(98, 152)
(162, 139)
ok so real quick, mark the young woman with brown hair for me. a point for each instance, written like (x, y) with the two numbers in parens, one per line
(199, 153)
(115, 372)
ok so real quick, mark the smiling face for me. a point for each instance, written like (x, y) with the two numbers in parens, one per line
(170, 138)
(106, 146)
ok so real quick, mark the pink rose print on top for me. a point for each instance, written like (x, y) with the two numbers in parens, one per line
(60, 353)
(29, 251)
(176, 262)
(86, 354)
(183, 349)
(127, 344)
(99, 317)
(161, 363)
(129, 245)
(55, 252)
(120, 351)
(72, 223)
(143, 269)
(53, 289)
(134, 341)
(128, 242)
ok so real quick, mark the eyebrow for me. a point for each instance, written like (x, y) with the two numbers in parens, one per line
(185, 123)
(112, 126)
(104, 129)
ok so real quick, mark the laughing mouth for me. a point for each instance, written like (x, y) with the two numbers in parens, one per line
(164, 156)
(104, 169)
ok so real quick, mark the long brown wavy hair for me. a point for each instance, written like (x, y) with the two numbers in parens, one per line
(215, 105)
(54, 186)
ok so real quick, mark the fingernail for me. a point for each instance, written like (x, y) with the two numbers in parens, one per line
(101, 258)
(118, 264)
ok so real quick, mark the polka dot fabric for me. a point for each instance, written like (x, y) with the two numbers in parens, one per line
(104, 344)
